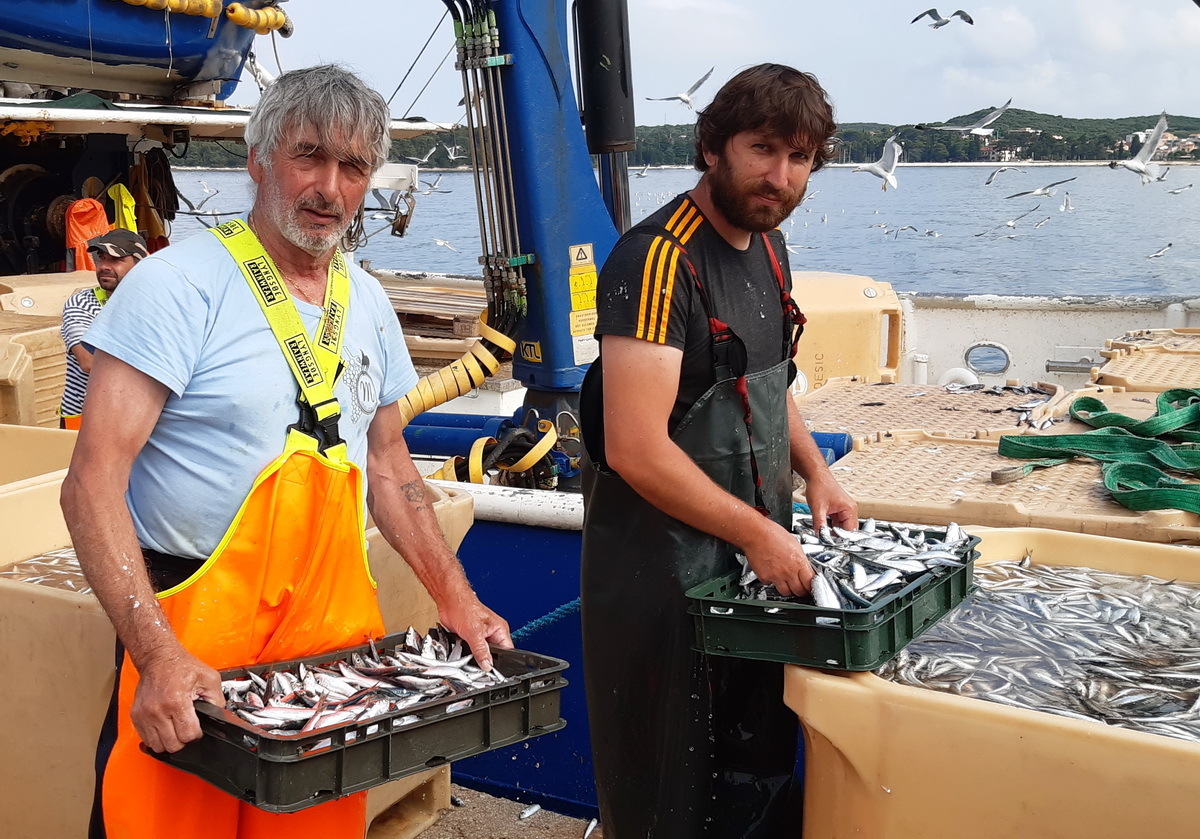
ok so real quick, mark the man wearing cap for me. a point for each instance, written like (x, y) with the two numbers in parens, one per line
(114, 253)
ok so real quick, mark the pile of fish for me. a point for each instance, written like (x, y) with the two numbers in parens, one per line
(1024, 411)
(1081, 643)
(364, 686)
(854, 569)
(56, 569)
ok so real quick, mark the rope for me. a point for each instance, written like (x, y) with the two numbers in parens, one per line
(545, 620)
(428, 82)
(412, 66)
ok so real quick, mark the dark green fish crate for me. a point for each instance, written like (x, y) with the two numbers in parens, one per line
(284, 773)
(833, 639)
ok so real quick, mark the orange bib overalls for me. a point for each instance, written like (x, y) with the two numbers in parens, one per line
(288, 579)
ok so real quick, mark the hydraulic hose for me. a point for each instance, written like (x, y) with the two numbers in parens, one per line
(522, 456)
(481, 64)
(459, 377)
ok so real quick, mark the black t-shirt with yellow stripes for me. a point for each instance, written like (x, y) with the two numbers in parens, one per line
(646, 291)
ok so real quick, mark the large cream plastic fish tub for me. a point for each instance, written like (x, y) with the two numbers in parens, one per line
(888, 761)
(29, 454)
(56, 649)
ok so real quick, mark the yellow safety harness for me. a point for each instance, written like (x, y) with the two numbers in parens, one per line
(315, 366)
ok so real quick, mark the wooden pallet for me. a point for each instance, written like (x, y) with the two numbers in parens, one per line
(419, 806)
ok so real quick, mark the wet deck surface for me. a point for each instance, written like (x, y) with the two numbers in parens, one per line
(486, 817)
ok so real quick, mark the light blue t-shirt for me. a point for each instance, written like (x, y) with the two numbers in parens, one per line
(186, 317)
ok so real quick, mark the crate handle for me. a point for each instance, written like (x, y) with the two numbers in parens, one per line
(720, 610)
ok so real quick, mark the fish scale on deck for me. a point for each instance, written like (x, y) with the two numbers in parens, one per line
(870, 410)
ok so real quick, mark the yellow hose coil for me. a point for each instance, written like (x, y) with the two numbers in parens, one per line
(475, 460)
(458, 377)
(549, 438)
(448, 471)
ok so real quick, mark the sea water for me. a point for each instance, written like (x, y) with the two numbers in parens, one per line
(1101, 247)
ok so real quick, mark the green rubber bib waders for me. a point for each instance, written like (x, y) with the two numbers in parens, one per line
(685, 745)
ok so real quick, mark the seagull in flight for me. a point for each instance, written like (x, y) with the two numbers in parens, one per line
(795, 248)
(1160, 252)
(979, 129)
(1047, 190)
(1162, 176)
(1040, 223)
(199, 211)
(445, 244)
(452, 152)
(900, 230)
(642, 173)
(885, 166)
(420, 160)
(992, 176)
(433, 187)
(686, 97)
(1010, 223)
(939, 21)
(1066, 204)
(1140, 162)
(1182, 188)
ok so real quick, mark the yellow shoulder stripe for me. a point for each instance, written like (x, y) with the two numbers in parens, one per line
(646, 304)
(658, 274)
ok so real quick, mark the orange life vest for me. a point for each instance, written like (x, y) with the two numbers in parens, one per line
(86, 219)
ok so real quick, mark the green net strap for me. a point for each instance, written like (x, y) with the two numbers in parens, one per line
(1140, 487)
(1107, 445)
(1177, 416)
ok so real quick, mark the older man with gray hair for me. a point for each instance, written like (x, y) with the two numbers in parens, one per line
(241, 411)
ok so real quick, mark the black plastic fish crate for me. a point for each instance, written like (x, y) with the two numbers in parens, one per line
(284, 773)
(833, 639)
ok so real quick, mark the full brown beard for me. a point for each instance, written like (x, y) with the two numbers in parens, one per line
(735, 201)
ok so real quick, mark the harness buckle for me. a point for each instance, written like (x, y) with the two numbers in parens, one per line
(324, 431)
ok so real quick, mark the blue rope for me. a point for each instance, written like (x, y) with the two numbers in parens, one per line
(547, 619)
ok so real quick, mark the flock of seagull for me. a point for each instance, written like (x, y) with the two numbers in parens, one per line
(885, 166)
(1141, 164)
(938, 21)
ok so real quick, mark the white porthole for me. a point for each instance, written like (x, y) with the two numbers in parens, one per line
(987, 357)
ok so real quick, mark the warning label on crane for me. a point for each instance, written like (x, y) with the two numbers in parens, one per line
(583, 303)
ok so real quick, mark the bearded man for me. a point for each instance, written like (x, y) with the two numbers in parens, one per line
(692, 438)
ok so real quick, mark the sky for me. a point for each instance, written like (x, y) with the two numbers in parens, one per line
(1075, 58)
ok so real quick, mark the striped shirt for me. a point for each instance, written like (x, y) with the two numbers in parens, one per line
(645, 291)
(79, 311)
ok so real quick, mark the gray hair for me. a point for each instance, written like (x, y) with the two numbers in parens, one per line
(329, 99)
